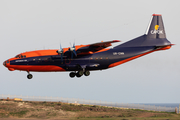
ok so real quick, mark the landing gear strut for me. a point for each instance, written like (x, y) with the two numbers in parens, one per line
(79, 73)
(29, 76)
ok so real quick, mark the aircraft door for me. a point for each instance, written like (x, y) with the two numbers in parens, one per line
(67, 60)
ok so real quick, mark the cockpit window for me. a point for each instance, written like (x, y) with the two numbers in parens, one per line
(17, 56)
(20, 56)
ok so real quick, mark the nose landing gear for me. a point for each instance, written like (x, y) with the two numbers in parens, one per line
(29, 76)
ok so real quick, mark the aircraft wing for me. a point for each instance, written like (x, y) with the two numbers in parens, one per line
(96, 46)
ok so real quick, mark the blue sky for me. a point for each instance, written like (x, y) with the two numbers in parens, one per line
(44, 24)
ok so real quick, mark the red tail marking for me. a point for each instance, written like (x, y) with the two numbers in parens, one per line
(156, 14)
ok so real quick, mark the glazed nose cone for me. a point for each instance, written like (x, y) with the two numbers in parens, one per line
(4, 63)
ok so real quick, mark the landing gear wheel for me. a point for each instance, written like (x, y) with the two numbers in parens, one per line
(72, 74)
(29, 76)
(80, 72)
(86, 73)
(77, 75)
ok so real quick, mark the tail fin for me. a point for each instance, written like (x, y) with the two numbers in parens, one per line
(156, 27)
(154, 36)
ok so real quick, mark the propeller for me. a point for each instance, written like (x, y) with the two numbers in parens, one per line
(73, 51)
(60, 51)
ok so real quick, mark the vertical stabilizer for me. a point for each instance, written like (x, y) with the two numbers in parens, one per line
(156, 27)
(154, 36)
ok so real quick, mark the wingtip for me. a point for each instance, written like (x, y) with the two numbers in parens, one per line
(116, 41)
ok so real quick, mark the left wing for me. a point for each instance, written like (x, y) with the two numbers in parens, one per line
(96, 46)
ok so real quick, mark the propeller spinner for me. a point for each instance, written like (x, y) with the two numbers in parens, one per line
(73, 51)
(60, 51)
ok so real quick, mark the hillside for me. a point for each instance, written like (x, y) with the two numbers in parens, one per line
(59, 110)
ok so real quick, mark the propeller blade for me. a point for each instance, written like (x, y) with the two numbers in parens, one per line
(60, 51)
(71, 55)
(74, 52)
(61, 57)
(60, 47)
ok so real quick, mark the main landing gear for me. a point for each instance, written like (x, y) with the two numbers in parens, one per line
(71, 74)
(29, 76)
(79, 73)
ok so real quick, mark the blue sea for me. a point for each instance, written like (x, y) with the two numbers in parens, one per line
(173, 105)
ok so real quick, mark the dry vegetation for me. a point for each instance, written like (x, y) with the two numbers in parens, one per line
(57, 110)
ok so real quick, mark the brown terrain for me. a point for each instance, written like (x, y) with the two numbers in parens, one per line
(58, 110)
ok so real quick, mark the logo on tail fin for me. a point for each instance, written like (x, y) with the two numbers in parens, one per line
(156, 27)
(156, 30)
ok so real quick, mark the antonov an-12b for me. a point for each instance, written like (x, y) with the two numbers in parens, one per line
(81, 59)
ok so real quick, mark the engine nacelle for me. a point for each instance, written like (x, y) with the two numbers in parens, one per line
(60, 51)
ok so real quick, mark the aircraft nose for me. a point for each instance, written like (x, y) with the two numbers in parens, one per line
(4, 63)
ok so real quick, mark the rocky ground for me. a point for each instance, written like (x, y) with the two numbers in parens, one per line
(58, 110)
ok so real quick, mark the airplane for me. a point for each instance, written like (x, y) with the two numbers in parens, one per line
(79, 60)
